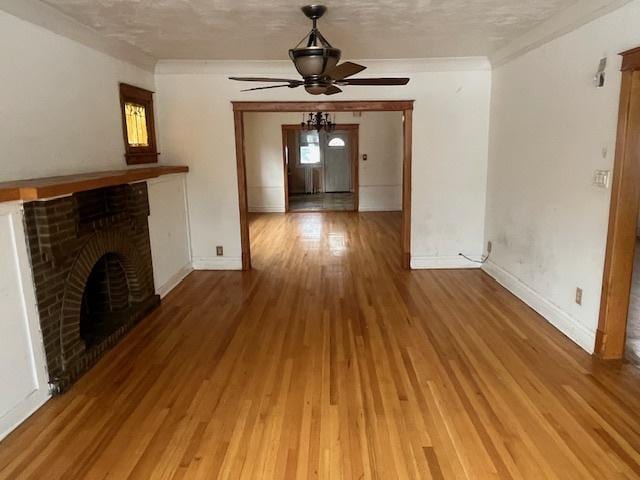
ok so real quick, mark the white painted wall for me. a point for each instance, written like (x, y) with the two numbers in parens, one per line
(169, 231)
(265, 169)
(59, 103)
(23, 378)
(450, 149)
(381, 139)
(380, 135)
(549, 128)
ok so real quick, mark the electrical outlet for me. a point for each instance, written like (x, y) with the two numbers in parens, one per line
(579, 296)
(489, 246)
(219, 251)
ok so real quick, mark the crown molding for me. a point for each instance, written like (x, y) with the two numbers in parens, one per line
(280, 67)
(49, 18)
(564, 22)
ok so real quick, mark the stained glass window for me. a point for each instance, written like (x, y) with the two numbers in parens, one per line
(137, 133)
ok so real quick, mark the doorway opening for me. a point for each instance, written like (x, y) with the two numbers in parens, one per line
(404, 106)
(321, 169)
(618, 322)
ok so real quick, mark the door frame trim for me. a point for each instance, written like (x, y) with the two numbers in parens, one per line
(354, 139)
(623, 216)
(405, 106)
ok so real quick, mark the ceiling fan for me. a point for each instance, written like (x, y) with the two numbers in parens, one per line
(317, 63)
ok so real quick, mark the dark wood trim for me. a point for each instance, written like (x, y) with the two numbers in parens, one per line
(285, 160)
(241, 161)
(623, 214)
(48, 187)
(139, 155)
(406, 106)
(354, 133)
(355, 164)
(348, 106)
(407, 133)
(631, 59)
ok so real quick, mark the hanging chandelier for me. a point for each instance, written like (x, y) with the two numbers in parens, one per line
(318, 121)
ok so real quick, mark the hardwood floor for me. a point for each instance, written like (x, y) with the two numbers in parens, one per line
(316, 202)
(329, 361)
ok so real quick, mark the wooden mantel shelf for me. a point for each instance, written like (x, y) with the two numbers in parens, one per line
(39, 188)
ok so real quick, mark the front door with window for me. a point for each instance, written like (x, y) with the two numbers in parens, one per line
(337, 162)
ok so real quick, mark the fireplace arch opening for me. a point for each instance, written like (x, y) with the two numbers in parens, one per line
(106, 299)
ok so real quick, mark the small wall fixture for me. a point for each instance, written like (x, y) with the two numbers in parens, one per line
(599, 78)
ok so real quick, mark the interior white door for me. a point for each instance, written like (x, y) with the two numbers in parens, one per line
(337, 161)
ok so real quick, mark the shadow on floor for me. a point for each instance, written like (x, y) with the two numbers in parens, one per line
(314, 202)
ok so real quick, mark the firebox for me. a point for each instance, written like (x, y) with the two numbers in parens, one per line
(91, 259)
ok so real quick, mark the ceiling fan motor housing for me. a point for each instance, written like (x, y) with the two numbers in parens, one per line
(313, 63)
(315, 60)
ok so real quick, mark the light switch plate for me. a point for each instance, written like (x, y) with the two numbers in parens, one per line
(601, 178)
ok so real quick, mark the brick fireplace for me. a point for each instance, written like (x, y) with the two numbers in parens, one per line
(93, 274)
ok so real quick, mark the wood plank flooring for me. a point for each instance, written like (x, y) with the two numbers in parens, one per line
(317, 202)
(328, 361)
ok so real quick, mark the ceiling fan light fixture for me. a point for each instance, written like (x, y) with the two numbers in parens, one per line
(317, 62)
(314, 61)
(316, 88)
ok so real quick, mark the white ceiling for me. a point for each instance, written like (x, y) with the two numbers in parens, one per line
(265, 30)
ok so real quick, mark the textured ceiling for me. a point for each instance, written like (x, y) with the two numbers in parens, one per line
(265, 30)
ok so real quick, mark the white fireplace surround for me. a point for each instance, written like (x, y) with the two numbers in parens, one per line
(23, 374)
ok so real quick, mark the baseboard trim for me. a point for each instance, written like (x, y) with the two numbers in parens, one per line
(27, 407)
(217, 263)
(267, 209)
(548, 310)
(441, 263)
(378, 208)
(174, 281)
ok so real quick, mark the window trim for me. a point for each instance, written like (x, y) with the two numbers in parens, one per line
(141, 154)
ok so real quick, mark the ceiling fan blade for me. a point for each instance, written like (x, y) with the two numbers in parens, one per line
(375, 81)
(332, 90)
(345, 70)
(264, 79)
(270, 86)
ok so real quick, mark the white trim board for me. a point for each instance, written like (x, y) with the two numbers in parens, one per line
(266, 209)
(217, 263)
(551, 312)
(280, 67)
(379, 208)
(443, 263)
(174, 281)
(18, 415)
